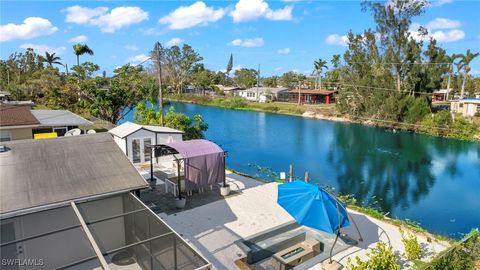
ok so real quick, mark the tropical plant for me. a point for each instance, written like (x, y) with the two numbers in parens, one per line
(81, 49)
(178, 64)
(202, 78)
(393, 20)
(126, 89)
(245, 77)
(413, 249)
(464, 254)
(465, 61)
(451, 61)
(380, 258)
(50, 59)
(319, 65)
(194, 127)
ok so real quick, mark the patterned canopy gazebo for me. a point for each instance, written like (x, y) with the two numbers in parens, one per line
(203, 160)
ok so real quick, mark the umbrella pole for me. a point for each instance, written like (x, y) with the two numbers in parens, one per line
(331, 250)
(338, 231)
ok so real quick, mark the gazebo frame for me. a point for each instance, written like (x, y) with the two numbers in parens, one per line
(160, 150)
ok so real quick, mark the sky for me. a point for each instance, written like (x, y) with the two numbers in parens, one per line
(276, 35)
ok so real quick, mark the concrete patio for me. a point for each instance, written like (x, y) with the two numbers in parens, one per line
(212, 223)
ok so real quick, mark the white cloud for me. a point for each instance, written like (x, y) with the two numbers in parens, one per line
(237, 67)
(249, 42)
(42, 48)
(440, 3)
(131, 47)
(138, 58)
(79, 39)
(189, 16)
(448, 36)
(278, 68)
(83, 15)
(445, 35)
(247, 10)
(283, 51)
(108, 22)
(174, 41)
(443, 23)
(31, 27)
(335, 39)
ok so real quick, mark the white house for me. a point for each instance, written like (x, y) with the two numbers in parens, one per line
(467, 107)
(265, 94)
(135, 140)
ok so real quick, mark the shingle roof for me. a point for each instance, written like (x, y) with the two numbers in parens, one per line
(313, 92)
(59, 118)
(35, 173)
(128, 128)
(267, 89)
(16, 116)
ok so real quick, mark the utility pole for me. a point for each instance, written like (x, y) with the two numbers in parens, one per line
(450, 67)
(258, 82)
(157, 58)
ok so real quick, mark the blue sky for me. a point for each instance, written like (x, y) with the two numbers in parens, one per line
(278, 35)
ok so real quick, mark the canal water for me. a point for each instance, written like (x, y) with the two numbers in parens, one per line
(429, 180)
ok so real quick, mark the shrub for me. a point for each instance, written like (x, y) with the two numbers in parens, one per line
(413, 249)
(381, 258)
(416, 110)
(463, 255)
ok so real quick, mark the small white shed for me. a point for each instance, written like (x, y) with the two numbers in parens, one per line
(135, 139)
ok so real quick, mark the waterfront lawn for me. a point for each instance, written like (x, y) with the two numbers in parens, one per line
(239, 103)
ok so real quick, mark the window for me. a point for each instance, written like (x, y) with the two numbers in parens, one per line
(136, 150)
(5, 136)
(146, 148)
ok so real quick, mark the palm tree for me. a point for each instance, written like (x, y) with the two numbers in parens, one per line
(318, 66)
(466, 59)
(451, 59)
(51, 59)
(81, 49)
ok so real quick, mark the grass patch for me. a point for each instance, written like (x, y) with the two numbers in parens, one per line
(238, 103)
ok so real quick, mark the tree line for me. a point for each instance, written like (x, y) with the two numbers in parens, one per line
(384, 74)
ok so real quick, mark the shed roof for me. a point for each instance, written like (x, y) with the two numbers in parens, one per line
(36, 173)
(468, 100)
(128, 128)
(16, 116)
(59, 118)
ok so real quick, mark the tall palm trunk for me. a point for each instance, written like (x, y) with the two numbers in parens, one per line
(463, 84)
(449, 81)
(78, 60)
(320, 77)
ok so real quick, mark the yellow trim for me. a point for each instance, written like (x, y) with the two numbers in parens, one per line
(45, 135)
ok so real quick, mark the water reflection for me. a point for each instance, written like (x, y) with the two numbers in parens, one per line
(391, 170)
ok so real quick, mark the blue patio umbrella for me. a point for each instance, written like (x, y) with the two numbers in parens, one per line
(314, 207)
